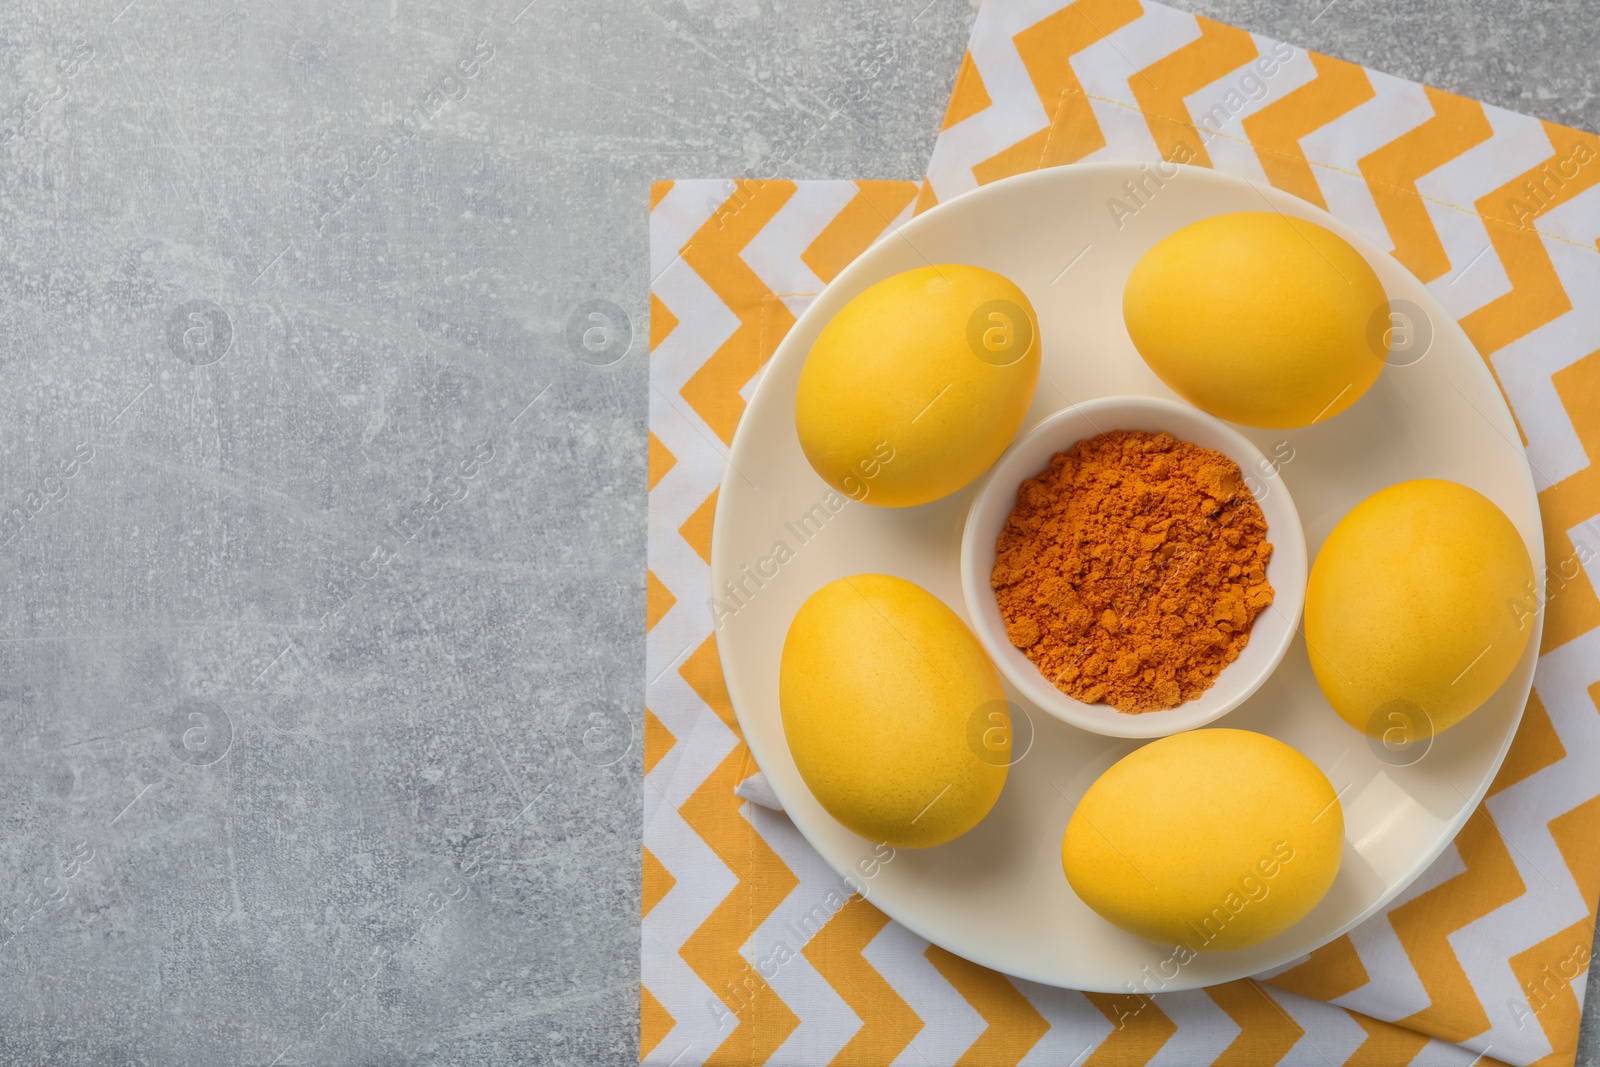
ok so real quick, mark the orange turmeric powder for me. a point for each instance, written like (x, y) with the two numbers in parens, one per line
(1132, 568)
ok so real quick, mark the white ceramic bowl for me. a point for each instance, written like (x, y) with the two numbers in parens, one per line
(1270, 636)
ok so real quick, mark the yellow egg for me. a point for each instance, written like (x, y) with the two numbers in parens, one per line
(916, 386)
(1259, 319)
(1207, 840)
(1419, 605)
(894, 715)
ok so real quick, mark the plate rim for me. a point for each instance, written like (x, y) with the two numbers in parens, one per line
(1273, 198)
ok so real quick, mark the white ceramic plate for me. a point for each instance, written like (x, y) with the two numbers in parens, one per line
(997, 895)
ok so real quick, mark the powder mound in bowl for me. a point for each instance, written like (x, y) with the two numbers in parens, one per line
(1132, 568)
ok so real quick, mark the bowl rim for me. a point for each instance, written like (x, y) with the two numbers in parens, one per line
(998, 491)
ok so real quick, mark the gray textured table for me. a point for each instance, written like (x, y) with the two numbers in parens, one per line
(308, 612)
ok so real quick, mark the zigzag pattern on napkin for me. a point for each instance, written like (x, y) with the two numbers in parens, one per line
(1498, 212)
(1463, 193)
(725, 885)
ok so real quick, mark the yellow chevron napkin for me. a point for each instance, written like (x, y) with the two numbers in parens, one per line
(752, 949)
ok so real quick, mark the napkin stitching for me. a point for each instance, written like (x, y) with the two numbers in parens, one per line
(1189, 122)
